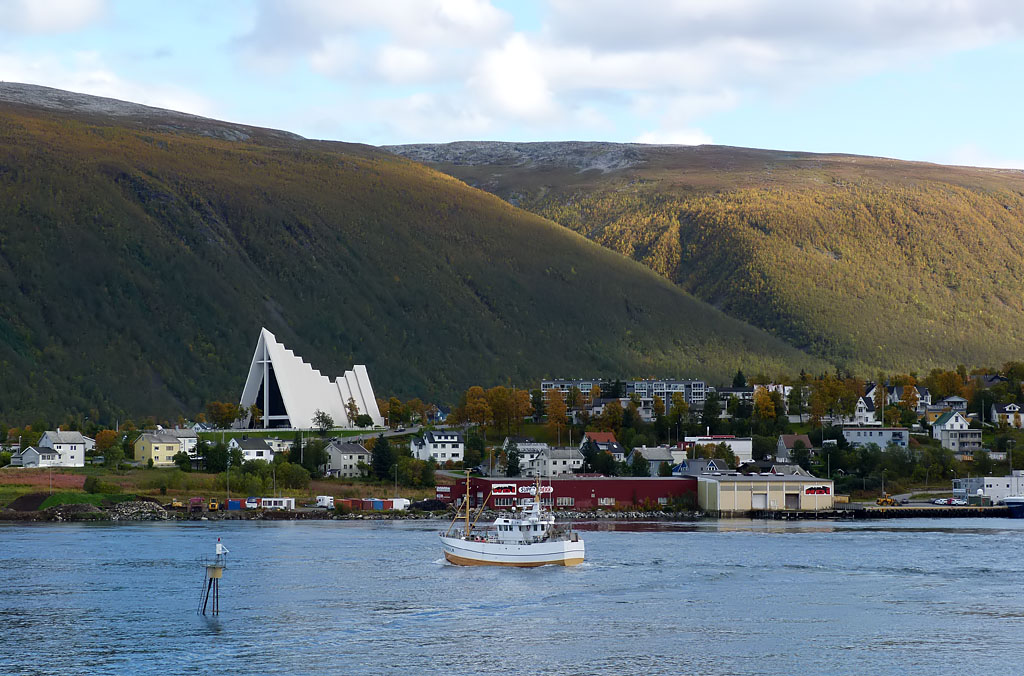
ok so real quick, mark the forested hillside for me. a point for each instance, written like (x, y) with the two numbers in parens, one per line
(140, 253)
(866, 262)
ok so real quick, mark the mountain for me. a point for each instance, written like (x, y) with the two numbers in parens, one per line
(141, 251)
(863, 261)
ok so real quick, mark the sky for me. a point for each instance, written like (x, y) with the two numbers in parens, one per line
(932, 80)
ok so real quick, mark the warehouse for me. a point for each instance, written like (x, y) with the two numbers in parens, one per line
(739, 494)
(578, 492)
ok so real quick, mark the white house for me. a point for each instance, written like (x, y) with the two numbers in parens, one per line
(882, 436)
(253, 448)
(186, 437)
(39, 457)
(278, 445)
(529, 450)
(70, 447)
(555, 461)
(1008, 415)
(344, 458)
(441, 445)
(955, 433)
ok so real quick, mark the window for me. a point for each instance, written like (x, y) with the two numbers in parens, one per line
(504, 502)
(566, 502)
(606, 501)
(259, 454)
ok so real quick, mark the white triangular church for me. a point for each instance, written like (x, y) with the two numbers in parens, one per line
(289, 391)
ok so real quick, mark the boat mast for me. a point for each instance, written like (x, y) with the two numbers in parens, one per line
(467, 504)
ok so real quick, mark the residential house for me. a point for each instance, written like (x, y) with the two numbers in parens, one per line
(605, 441)
(770, 467)
(252, 448)
(344, 458)
(157, 447)
(1007, 415)
(864, 413)
(786, 443)
(882, 436)
(894, 395)
(69, 446)
(654, 457)
(187, 437)
(955, 404)
(955, 433)
(986, 381)
(203, 427)
(529, 450)
(278, 445)
(700, 466)
(556, 461)
(40, 456)
(441, 445)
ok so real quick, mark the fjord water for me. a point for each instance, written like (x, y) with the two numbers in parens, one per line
(343, 597)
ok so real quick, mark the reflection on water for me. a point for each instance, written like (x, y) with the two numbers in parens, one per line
(735, 597)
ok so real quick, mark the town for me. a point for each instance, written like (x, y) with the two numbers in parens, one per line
(810, 444)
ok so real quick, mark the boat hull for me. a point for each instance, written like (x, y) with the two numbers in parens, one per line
(475, 553)
(1016, 507)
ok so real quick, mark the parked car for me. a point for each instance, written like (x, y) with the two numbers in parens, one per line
(958, 502)
(941, 501)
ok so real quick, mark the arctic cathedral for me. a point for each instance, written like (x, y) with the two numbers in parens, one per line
(289, 391)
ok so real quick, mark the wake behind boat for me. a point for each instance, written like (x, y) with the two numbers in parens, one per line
(526, 540)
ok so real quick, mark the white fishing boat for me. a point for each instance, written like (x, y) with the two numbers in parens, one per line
(526, 539)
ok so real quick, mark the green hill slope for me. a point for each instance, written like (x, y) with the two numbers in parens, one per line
(140, 253)
(866, 262)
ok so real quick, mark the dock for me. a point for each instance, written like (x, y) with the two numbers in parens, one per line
(859, 512)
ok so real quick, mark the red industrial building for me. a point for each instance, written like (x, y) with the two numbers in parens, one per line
(578, 492)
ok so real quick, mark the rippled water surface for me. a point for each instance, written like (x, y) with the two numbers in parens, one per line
(731, 597)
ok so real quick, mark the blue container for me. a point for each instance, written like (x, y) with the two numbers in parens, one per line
(378, 504)
(234, 504)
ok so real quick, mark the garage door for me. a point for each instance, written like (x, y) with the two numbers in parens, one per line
(792, 501)
(759, 501)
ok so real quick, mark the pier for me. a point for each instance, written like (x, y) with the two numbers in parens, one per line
(855, 511)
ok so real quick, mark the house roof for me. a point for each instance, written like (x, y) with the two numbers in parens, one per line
(252, 444)
(65, 437)
(656, 454)
(869, 403)
(181, 432)
(520, 440)
(601, 437)
(788, 440)
(699, 465)
(563, 454)
(430, 436)
(347, 447)
(1002, 408)
(157, 438)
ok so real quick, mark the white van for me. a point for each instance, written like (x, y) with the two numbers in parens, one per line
(325, 501)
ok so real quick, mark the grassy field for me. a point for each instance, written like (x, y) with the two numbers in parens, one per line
(98, 499)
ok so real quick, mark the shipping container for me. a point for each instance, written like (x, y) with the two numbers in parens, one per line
(387, 505)
(232, 504)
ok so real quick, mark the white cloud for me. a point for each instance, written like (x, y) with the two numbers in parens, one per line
(86, 73)
(48, 16)
(513, 80)
(405, 64)
(663, 65)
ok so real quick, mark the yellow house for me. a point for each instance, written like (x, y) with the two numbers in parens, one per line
(159, 447)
